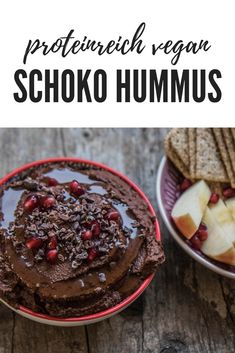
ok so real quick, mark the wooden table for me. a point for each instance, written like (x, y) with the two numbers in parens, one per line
(187, 308)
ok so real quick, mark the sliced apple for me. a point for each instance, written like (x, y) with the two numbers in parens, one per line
(189, 208)
(224, 218)
(219, 244)
(230, 203)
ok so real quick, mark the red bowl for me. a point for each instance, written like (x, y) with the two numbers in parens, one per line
(87, 319)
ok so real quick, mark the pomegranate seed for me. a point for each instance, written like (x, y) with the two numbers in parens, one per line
(196, 242)
(203, 226)
(186, 183)
(87, 223)
(52, 243)
(31, 202)
(52, 256)
(51, 181)
(214, 198)
(75, 188)
(95, 228)
(87, 235)
(113, 215)
(34, 243)
(229, 192)
(92, 254)
(48, 202)
(202, 234)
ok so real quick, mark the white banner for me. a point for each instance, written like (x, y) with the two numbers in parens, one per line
(117, 64)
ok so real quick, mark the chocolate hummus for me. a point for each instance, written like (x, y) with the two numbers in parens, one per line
(74, 240)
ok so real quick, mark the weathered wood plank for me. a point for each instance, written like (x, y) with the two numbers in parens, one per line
(186, 309)
(33, 337)
(17, 147)
(6, 330)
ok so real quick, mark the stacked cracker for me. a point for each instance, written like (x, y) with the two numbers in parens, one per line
(207, 154)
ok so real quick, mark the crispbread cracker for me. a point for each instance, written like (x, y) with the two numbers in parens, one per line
(230, 144)
(174, 157)
(179, 143)
(224, 154)
(192, 151)
(208, 162)
(233, 133)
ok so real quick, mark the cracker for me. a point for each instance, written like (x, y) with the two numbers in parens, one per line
(174, 157)
(179, 143)
(224, 154)
(208, 161)
(230, 144)
(192, 151)
(233, 132)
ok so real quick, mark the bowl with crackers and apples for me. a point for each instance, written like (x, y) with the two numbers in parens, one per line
(196, 194)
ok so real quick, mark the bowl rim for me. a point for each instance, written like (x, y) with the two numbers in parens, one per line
(176, 235)
(108, 312)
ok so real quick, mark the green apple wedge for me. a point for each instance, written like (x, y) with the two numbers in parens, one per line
(189, 208)
(230, 203)
(221, 234)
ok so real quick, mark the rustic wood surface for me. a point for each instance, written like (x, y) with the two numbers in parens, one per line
(187, 308)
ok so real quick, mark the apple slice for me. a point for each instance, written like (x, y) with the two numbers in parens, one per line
(230, 203)
(218, 245)
(189, 208)
(224, 218)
